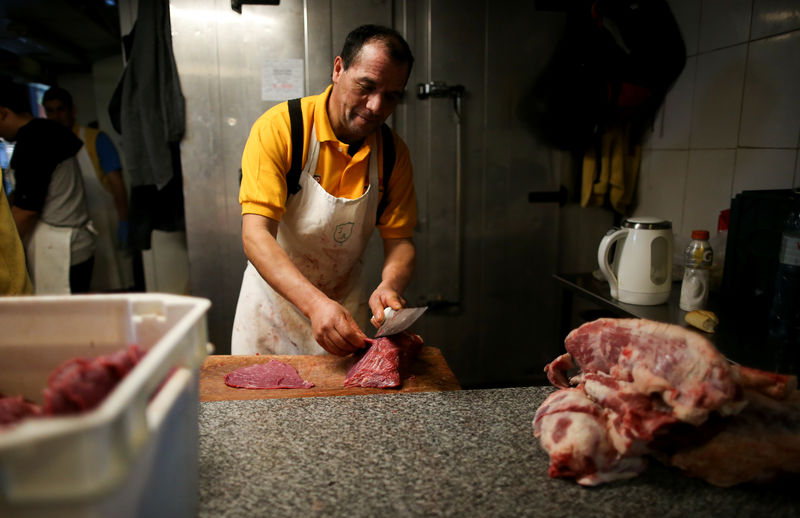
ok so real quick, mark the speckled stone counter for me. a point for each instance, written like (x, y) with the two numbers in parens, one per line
(462, 453)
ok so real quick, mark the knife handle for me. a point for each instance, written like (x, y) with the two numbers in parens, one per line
(388, 313)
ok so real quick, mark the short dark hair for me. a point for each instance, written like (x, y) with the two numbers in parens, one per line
(15, 96)
(399, 51)
(56, 93)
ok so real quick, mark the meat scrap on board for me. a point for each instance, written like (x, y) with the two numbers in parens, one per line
(274, 374)
(652, 389)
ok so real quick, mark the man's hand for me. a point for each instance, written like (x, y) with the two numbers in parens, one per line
(384, 296)
(334, 328)
(398, 266)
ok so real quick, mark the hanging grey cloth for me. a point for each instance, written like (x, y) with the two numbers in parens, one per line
(148, 108)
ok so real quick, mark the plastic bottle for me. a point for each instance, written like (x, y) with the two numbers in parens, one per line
(697, 259)
(784, 318)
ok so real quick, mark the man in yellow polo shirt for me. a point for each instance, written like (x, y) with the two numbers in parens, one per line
(302, 291)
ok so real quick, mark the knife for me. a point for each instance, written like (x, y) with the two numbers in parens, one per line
(397, 321)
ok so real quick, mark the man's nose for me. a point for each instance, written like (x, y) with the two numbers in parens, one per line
(376, 103)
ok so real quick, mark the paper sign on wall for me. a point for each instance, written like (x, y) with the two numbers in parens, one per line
(281, 79)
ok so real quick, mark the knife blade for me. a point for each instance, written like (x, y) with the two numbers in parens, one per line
(397, 321)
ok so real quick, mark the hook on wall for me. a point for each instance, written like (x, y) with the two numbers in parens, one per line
(441, 89)
(236, 5)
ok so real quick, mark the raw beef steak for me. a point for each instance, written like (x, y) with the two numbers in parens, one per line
(272, 375)
(386, 363)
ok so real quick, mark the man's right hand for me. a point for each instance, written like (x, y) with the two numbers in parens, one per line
(335, 330)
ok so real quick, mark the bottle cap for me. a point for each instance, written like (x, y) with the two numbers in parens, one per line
(700, 234)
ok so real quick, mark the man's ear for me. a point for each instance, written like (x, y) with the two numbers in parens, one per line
(338, 68)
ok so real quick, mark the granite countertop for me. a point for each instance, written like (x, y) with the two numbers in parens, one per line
(460, 453)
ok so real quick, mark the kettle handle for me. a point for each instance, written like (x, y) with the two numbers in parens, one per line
(602, 259)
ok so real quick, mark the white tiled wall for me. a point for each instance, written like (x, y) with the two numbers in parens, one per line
(731, 121)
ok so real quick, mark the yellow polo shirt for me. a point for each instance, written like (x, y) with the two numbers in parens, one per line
(268, 153)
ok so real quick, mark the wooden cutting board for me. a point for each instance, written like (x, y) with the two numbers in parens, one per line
(429, 373)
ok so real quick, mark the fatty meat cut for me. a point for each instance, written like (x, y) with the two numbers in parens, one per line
(633, 388)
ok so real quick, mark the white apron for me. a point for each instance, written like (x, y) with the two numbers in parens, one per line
(48, 256)
(109, 262)
(325, 238)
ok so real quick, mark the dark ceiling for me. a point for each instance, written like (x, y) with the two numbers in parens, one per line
(40, 39)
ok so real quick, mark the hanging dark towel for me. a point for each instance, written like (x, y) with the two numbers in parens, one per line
(148, 110)
(156, 209)
(614, 65)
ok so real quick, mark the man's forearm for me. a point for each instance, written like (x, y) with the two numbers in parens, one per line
(274, 265)
(398, 263)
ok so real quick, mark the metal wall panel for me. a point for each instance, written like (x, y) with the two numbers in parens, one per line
(502, 330)
(219, 54)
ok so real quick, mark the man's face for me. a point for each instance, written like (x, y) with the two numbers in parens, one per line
(56, 110)
(365, 94)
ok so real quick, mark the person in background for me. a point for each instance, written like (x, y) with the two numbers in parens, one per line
(106, 194)
(302, 291)
(14, 279)
(48, 203)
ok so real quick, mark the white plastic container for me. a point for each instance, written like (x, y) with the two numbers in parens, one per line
(136, 453)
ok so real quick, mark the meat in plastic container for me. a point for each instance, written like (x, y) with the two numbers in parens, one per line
(135, 454)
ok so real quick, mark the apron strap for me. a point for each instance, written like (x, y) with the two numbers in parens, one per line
(296, 125)
(388, 164)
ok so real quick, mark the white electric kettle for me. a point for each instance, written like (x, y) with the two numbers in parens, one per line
(641, 271)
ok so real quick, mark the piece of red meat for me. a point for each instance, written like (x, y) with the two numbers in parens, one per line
(386, 362)
(16, 408)
(123, 361)
(272, 375)
(679, 365)
(575, 432)
(635, 416)
(76, 385)
(80, 384)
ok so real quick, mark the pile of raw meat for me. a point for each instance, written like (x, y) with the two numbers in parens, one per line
(386, 363)
(75, 386)
(647, 389)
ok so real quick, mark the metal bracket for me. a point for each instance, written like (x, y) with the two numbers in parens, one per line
(438, 89)
(236, 5)
(560, 196)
